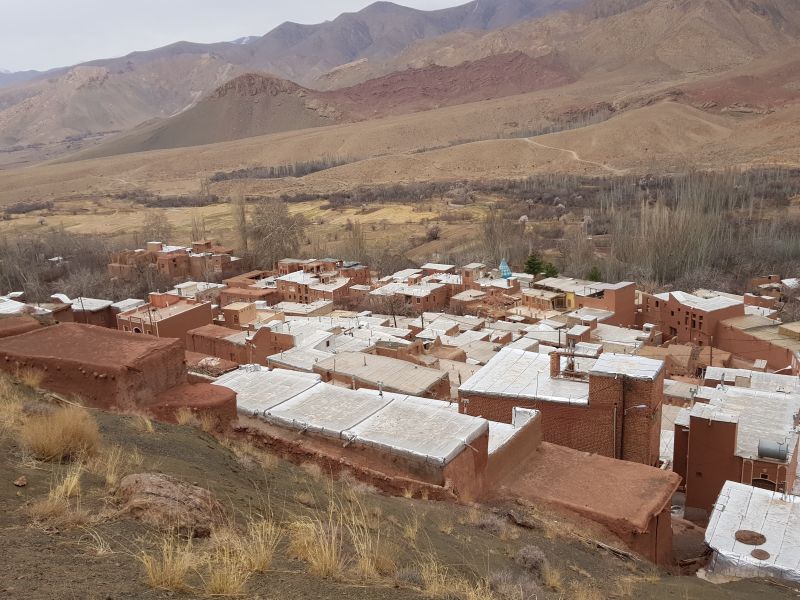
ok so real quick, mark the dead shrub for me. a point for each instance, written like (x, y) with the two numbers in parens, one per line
(64, 434)
(261, 542)
(532, 558)
(11, 406)
(583, 590)
(511, 586)
(552, 577)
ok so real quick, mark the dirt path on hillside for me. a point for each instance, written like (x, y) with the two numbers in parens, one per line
(578, 158)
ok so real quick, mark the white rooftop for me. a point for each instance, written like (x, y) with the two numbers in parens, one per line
(756, 380)
(702, 304)
(429, 430)
(774, 515)
(635, 367)
(515, 373)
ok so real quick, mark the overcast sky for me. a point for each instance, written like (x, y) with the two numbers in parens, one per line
(41, 34)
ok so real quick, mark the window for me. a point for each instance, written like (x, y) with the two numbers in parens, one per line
(672, 313)
(656, 303)
(137, 330)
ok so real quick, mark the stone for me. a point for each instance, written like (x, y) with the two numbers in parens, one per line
(170, 504)
(21, 481)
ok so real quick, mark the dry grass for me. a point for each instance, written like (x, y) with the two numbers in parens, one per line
(30, 377)
(228, 571)
(207, 422)
(313, 470)
(306, 498)
(411, 528)
(56, 509)
(97, 544)
(11, 402)
(66, 433)
(439, 581)
(250, 455)
(319, 543)
(185, 416)
(261, 542)
(114, 462)
(143, 424)
(583, 590)
(168, 567)
(552, 577)
(374, 556)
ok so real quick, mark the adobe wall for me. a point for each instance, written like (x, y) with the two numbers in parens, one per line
(177, 325)
(201, 398)
(742, 344)
(393, 473)
(680, 453)
(100, 318)
(124, 386)
(577, 426)
(656, 542)
(214, 346)
(642, 427)
(506, 458)
(440, 390)
(711, 461)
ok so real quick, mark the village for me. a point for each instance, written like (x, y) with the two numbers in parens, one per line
(464, 383)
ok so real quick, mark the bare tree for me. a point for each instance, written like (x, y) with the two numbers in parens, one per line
(239, 208)
(355, 245)
(274, 232)
(198, 227)
(156, 226)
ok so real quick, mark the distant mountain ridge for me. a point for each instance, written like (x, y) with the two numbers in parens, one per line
(127, 91)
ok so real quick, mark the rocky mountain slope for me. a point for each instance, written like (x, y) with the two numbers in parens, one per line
(116, 94)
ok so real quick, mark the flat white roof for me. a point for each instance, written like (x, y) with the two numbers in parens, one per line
(258, 389)
(635, 367)
(756, 380)
(774, 515)
(90, 304)
(437, 267)
(430, 430)
(702, 304)
(515, 373)
(768, 416)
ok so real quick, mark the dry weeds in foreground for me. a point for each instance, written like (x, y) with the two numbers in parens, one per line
(64, 434)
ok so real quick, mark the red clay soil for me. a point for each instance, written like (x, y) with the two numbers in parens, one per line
(620, 494)
(17, 325)
(434, 86)
(771, 88)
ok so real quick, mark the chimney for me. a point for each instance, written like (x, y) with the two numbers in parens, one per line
(555, 364)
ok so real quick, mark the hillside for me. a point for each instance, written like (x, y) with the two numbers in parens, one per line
(96, 547)
(246, 106)
(65, 107)
(653, 40)
(254, 104)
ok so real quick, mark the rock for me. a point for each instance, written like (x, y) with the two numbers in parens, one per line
(167, 503)
(21, 481)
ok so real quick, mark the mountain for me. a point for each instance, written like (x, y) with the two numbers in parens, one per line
(645, 40)
(254, 104)
(11, 77)
(248, 105)
(66, 106)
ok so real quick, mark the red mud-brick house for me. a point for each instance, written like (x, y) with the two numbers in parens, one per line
(683, 317)
(415, 297)
(753, 338)
(93, 311)
(609, 405)
(112, 369)
(618, 298)
(736, 434)
(407, 444)
(202, 260)
(167, 316)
